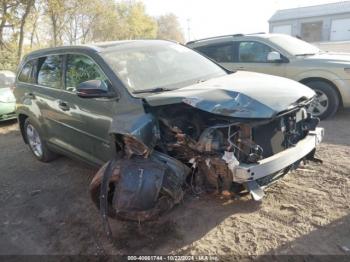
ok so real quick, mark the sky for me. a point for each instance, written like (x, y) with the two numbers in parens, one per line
(207, 18)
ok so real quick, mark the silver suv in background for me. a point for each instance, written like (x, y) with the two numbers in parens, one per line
(282, 55)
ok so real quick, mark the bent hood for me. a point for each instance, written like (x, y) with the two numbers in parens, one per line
(241, 95)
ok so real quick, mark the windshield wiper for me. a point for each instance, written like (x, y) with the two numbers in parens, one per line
(152, 90)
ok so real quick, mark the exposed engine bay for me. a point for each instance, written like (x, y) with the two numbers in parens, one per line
(178, 148)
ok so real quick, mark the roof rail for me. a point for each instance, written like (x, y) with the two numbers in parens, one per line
(213, 37)
(258, 33)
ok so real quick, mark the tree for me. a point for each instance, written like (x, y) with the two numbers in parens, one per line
(56, 12)
(169, 28)
(136, 23)
(27, 6)
(31, 24)
(123, 20)
(7, 15)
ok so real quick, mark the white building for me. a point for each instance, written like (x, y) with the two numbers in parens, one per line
(320, 23)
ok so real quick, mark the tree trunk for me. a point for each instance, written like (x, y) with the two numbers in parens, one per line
(29, 5)
(3, 22)
(33, 31)
(54, 28)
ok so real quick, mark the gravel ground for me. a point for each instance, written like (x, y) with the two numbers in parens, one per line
(46, 209)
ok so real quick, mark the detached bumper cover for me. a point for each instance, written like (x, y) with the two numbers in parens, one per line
(249, 172)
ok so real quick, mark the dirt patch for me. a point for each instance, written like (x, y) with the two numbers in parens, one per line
(45, 209)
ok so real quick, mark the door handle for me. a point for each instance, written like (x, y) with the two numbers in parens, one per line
(30, 95)
(241, 68)
(63, 105)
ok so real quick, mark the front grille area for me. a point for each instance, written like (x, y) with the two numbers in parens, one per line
(279, 134)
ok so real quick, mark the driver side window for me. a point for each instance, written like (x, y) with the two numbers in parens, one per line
(81, 68)
(253, 52)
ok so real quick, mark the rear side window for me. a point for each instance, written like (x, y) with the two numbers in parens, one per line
(26, 74)
(50, 71)
(253, 52)
(81, 68)
(221, 53)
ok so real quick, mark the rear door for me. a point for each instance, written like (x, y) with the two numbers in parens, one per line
(45, 95)
(222, 53)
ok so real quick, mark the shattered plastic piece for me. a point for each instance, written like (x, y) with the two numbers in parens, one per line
(229, 157)
(232, 163)
(207, 161)
(255, 190)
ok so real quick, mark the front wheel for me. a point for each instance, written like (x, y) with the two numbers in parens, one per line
(36, 143)
(326, 102)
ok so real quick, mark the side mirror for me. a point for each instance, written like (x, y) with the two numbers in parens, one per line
(93, 89)
(274, 57)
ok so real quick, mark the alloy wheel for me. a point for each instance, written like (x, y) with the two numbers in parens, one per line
(320, 104)
(34, 141)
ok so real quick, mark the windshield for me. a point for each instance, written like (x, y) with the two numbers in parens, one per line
(294, 46)
(159, 65)
(7, 79)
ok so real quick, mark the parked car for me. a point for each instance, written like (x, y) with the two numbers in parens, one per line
(7, 99)
(282, 55)
(159, 115)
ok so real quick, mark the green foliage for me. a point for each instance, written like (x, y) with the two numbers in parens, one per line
(69, 22)
(8, 57)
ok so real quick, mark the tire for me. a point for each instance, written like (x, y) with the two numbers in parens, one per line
(327, 100)
(36, 143)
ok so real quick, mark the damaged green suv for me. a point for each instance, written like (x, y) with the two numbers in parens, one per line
(163, 118)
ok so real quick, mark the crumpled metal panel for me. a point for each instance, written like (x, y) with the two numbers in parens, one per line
(140, 126)
(240, 95)
(230, 103)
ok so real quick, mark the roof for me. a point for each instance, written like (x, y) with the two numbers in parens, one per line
(97, 47)
(224, 37)
(94, 47)
(311, 11)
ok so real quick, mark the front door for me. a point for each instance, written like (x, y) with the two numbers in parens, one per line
(252, 56)
(88, 119)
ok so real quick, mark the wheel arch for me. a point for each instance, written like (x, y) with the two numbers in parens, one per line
(21, 120)
(305, 81)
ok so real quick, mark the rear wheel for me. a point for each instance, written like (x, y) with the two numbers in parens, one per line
(36, 143)
(326, 102)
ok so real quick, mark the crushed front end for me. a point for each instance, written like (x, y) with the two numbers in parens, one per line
(234, 155)
(168, 150)
(208, 137)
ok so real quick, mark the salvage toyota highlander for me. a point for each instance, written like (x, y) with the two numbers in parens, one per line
(163, 119)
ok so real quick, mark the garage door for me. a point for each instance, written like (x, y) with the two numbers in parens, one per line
(282, 29)
(340, 29)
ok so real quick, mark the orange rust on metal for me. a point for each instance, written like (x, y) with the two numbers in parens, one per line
(244, 134)
(135, 147)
